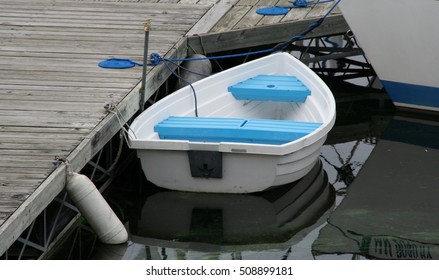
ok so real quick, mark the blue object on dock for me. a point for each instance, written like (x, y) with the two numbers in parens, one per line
(118, 63)
(283, 10)
(271, 88)
(300, 3)
(273, 11)
(261, 131)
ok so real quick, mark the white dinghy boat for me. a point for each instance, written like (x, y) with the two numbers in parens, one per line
(246, 129)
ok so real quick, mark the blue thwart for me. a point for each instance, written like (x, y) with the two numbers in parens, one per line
(261, 131)
(271, 88)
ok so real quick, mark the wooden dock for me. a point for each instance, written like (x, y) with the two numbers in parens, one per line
(53, 94)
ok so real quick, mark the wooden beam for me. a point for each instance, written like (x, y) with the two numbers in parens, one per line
(262, 35)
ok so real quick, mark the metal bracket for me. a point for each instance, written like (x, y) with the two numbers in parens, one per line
(206, 164)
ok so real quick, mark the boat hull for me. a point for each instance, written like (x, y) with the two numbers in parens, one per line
(241, 173)
(238, 167)
(407, 65)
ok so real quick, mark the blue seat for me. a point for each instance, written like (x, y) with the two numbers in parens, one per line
(259, 131)
(271, 88)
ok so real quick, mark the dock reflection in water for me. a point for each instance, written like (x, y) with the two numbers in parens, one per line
(182, 225)
(391, 209)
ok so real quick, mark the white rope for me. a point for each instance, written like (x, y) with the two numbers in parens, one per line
(111, 108)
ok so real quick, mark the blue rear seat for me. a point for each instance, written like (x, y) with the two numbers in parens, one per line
(259, 131)
(271, 88)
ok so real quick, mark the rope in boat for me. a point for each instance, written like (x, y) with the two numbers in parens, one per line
(184, 80)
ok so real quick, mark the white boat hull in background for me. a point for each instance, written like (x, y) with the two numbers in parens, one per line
(399, 38)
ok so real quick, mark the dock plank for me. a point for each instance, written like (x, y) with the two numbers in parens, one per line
(231, 19)
(296, 14)
(208, 21)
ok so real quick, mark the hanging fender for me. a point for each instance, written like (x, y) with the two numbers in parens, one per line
(95, 209)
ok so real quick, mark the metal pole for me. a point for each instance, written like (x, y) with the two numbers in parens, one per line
(146, 28)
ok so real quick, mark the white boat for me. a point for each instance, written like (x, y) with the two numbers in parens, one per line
(399, 39)
(258, 125)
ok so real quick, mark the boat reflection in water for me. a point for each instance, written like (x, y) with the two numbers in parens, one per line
(183, 225)
(391, 209)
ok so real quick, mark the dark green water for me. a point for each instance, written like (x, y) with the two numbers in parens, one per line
(372, 196)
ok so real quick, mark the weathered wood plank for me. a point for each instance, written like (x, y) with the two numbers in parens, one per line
(159, 38)
(249, 20)
(94, 88)
(38, 146)
(102, 78)
(48, 122)
(47, 165)
(70, 83)
(99, 75)
(30, 138)
(6, 201)
(115, 7)
(231, 18)
(297, 14)
(27, 183)
(266, 34)
(121, 18)
(43, 130)
(206, 23)
(44, 96)
(164, 23)
(16, 189)
(319, 10)
(188, 1)
(9, 172)
(248, 2)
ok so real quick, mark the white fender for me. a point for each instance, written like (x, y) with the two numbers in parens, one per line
(95, 209)
(194, 67)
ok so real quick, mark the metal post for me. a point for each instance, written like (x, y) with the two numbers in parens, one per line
(147, 25)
